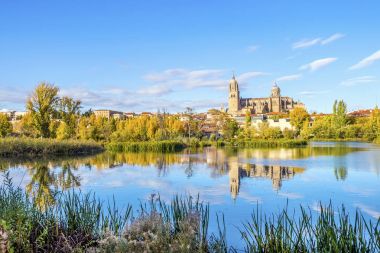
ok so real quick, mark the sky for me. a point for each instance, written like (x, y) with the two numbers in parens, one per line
(169, 55)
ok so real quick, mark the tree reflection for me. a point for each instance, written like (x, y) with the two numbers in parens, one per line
(340, 173)
(49, 175)
(45, 182)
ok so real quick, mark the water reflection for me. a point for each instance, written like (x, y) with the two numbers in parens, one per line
(275, 173)
(52, 174)
(45, 182)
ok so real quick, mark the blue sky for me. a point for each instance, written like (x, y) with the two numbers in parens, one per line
(149, 55)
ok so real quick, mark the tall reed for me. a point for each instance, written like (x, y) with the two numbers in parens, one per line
(80, 222)
(260, 143)
(39, 147)
(149, 146)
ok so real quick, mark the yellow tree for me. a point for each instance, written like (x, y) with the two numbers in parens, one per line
(69, 111)
(42, 107)
(5, 125)
(297, 118)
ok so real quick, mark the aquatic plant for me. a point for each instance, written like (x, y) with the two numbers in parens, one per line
(330, 231)
(260, 143)
(151, 146)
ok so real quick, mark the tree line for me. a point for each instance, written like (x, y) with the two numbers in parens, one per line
(51, 116)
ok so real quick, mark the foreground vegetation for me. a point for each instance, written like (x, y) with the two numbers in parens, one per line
(38, 147)
(80, 222)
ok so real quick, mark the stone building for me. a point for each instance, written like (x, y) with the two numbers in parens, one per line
(275, 103)
(109, 114)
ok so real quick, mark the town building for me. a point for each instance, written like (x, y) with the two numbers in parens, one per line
(12, 115)
(274, 103)
(109, 114)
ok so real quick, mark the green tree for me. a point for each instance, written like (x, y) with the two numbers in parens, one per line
(297, 118)
(26, 127)
(229, 126)
(69, 112)
(248, 119)
(5, 126)
(190, 123)
(268, 132)
(63, 131)
(42, 106)
(340, 113)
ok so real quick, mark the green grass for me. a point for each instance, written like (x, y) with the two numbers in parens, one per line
(80, 222)
(261, 143)
(146, 146)
(40, 147)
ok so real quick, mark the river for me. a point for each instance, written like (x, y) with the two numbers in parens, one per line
(232, 181)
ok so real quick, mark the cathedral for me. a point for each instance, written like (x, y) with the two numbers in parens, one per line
(275, 103)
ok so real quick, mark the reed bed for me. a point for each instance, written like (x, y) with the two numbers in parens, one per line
(146, 146)
(330, 231)
(259, 143)
(40, 147)
(80, 222)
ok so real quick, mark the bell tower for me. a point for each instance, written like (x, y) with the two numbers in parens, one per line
(276, 98)
(234, 96)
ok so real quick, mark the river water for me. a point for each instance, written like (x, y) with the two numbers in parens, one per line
(234, 182)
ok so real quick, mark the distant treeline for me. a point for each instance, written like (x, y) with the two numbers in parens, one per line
(50, 116)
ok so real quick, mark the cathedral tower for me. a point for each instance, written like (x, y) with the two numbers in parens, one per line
(276, 99)
(234, 96)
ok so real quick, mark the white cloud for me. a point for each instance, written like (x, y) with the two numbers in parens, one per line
(369, 210)
(358, 80)
(313, 93)
(146, 99)
(366, 61)
(317, 41)
(332, 38)
(191, 79)
(156, 90)
(317, 64)
(290, 195)
(289, 78)
(306, 43)
(188, 78)
(252, 48)
(249, 75)
(13, 95)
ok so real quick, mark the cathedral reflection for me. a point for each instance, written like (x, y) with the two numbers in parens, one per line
(275, 173)
(226, 162)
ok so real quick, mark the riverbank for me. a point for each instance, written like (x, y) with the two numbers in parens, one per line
(80, 222)
(31, 147)
(40, 147)
(175, 146)
(146, 146)
(259, 143)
